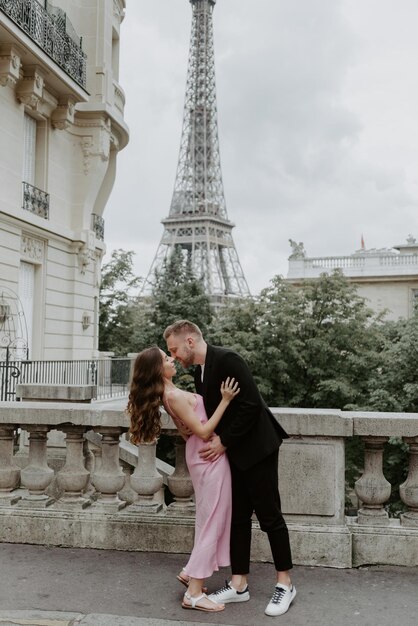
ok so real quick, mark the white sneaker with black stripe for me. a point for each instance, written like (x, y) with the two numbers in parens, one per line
(281, 600)
(229, 594)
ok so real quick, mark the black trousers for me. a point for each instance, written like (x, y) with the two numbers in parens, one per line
(257, 490)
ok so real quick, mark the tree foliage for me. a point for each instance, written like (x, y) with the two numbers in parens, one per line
(117, 314)
(177, 294)
(310, 347)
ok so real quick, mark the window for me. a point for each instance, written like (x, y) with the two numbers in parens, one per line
(29, 149)
(35, 146)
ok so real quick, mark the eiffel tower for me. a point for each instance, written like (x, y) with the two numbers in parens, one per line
(198, 222)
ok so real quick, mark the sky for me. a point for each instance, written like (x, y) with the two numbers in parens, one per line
(318, 126)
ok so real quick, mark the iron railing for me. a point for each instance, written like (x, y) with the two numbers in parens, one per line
(51, 30)
(35, 200)
(97, 225)
(109, 376)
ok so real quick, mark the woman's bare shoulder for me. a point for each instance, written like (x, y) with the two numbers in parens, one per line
(178, 397)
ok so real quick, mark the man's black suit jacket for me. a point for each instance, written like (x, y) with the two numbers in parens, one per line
(247, 429)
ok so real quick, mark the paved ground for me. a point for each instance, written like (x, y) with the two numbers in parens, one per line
(44, 586)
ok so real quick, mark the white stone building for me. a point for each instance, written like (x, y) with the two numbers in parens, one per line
(387, 278)
(61, 127)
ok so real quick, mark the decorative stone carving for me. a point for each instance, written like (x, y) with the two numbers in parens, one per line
(30, 88)
(409, 489)
(372, 488)
(86, 252)
(32, 249)
(298, 250)
(47, 104)
(180, 483)
(145, 480)
(63, 116)
(95, 143)
(119, 10)
(10, 64)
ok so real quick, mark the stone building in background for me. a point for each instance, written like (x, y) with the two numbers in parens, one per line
(61, 127)
(387, 278)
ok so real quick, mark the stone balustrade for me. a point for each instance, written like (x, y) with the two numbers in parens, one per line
(355, 265)
(82, 501)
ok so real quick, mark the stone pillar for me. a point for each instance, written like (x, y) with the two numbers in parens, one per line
(37, 476)
(180, 484)
(146, 481)
(409, 489)
(109, 478)
(9, 472)
(372, 488)
(73, 477)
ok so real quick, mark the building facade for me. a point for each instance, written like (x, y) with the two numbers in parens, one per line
(61, 127)
(387, 278)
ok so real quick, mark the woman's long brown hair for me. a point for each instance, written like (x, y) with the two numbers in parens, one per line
(145, 396)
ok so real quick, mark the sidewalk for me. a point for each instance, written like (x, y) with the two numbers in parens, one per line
(41, 586)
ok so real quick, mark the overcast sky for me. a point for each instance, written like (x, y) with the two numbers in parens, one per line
(318, 125)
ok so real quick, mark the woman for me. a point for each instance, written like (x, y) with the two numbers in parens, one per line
(152, 384)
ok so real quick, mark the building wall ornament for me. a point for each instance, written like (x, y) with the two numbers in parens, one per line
(63, 116)
(119, 9)
(30, 88)
(10, 64)
(298, 250)
(32, 249)
(47, 104)
(86, 251)
(95, 144)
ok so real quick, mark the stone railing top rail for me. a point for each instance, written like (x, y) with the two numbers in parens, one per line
(367, 265)
(297, 422)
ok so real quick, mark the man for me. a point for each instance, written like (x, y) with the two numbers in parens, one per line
(251, 437)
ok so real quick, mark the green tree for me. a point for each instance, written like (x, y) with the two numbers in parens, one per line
(117, 313)
(315, 346)
(177, 294)
(341, 340)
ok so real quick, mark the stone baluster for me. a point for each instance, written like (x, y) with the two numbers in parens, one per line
(109, 478)
(37, 476)
(89, 464)
(73, 477)
(146, 481)
(409, 489)
(9, 472)
(372, 488)
(180, 483)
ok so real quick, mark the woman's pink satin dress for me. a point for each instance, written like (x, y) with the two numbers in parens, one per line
(212, 487)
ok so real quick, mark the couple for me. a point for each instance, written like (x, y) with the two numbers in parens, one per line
(243, 451)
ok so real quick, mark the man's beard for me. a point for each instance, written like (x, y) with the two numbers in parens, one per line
(188, 359)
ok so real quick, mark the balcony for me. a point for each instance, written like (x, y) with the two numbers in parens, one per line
(35, 200)
(97, 226)
(52, 31)
(91, 487)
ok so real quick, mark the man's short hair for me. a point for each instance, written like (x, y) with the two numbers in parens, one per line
(182, 327)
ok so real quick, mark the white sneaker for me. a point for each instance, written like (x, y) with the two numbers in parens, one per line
(281, 600)
(229, 594)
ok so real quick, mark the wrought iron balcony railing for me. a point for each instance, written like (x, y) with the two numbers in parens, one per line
(97, 225)
(51, 30)
(35, 200)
